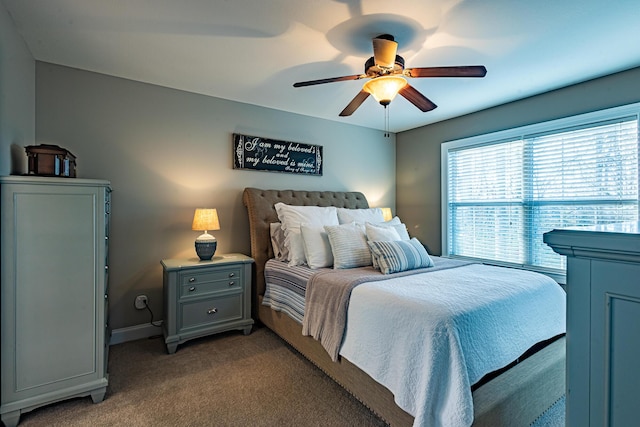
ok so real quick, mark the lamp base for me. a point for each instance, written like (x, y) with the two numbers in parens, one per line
(205, 250)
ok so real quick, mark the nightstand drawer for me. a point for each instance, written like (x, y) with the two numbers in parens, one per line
(216, 310)
(193, 278)
(203, 288)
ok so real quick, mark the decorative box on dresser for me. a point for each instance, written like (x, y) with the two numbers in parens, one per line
(53, 322)
(603, 320)
(206, 297)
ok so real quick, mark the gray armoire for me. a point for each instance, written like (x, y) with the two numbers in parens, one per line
(53, 321)
(603, 320)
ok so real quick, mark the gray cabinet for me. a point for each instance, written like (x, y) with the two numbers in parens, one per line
(206, 297)
(54, 332)
(603, 320)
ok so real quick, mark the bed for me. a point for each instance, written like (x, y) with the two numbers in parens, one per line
(514, 395)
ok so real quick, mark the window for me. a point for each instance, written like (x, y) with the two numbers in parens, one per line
(503, 191)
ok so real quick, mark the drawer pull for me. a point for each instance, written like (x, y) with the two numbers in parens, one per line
(232, 274)
(192, 279)
(231, 283)
(212, 311)
(192, 288)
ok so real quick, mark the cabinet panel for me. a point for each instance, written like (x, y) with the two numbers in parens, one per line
(578, 341)
(624, 353)
(615, 366)
(52, 315)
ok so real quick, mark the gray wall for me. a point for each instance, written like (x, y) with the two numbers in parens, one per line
(167, 152)
(17, 97)
(418, 150)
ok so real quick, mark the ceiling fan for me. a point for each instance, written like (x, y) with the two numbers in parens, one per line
(387, 73)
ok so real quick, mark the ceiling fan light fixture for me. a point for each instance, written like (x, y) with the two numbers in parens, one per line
(384, 51)
(385, 88)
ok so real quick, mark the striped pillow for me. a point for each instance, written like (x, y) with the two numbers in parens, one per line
(349, 245)
(400, 255)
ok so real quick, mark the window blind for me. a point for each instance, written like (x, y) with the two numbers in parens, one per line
(503, 195)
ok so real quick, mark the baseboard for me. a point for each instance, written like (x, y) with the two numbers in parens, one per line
(132, 333)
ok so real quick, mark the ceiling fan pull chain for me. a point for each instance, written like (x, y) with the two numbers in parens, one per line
(386, 122)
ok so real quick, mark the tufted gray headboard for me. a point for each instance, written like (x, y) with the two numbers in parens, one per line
(261, 212)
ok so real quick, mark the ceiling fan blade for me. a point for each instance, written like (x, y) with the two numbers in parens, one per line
(384, 51)
(329, 80)
(416, 98)
(463, 71)
(355, 103)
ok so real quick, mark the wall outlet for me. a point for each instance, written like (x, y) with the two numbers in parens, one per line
(140, 302)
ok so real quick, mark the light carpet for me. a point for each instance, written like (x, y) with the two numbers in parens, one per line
(222, 380)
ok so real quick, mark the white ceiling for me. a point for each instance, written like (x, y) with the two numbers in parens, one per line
(252, 51)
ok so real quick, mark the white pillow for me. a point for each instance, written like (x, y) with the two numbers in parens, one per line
(393, 221)
(347, 216)
(291, 217)
(295, 216)
(377, 233)
(349, 245)
(317, 249)
(380, 233)
(398, 225)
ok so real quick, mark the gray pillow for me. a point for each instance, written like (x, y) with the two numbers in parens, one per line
(400, 255)
(349, 245)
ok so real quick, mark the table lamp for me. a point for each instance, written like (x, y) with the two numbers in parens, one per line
(204, 220)
(386, 214)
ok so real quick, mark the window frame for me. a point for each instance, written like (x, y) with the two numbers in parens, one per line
(522, 132)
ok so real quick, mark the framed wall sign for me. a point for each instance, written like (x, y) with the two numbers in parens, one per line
(263, 154)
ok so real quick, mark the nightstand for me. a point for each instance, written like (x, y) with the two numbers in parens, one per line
(205, 297)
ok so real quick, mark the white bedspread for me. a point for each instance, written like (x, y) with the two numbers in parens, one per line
(457, 326)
